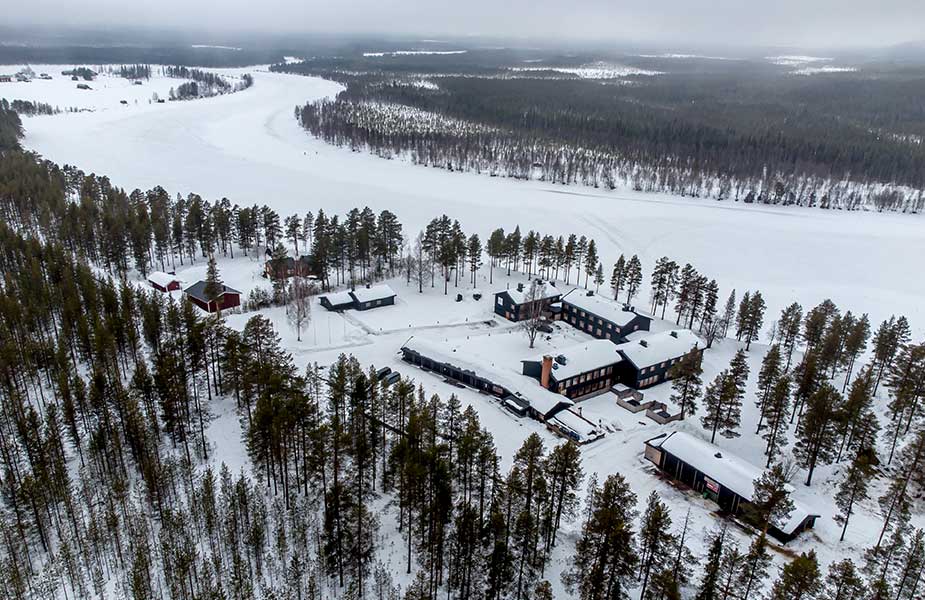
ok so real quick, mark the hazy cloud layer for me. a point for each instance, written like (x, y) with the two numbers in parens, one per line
(748, 22)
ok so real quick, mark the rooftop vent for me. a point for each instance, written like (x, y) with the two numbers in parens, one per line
(644, 343)
(718, 455)
(589, 293)
(520, 287)
(674, 334)
(562, 360)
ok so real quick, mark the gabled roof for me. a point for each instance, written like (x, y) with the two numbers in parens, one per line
(517, 297)
(600, 307)
(197, 291)
(339, 298)
(376, 292)
(582, 427)
(659, 347)
(727, 469)
(584, 357)
(163, 279)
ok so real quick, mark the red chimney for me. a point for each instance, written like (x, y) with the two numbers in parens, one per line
(547, 369)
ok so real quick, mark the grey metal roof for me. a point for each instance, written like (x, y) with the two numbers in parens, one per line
(197, 291)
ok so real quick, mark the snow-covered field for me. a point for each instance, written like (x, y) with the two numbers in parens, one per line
(249, 148)
(596, 70)
(107, 91)
(105, 94)
(376, 336)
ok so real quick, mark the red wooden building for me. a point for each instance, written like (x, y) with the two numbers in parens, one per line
(164, 282)
(228, 298)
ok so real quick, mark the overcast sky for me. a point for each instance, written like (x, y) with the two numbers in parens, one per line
(739, 22)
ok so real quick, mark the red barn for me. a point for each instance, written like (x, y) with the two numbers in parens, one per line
(228, 298)
(164, 282)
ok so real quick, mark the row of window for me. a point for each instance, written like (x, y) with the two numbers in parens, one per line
(589, 388)
(649, 381)
(663, 365)
(579, 379)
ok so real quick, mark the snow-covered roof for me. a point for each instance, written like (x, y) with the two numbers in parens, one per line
(162, 279)
(725, 468)
(198, 291)
(518, 297)
(600, 306)
(373, 293)
(541, 399)
(584, 357)
(338, 298)
(659, 347)
(584, 428)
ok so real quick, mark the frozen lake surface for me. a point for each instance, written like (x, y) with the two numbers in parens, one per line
(248, 147)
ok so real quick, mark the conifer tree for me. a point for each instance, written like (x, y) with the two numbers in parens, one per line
(853, 487)
(618, 277)
(729, 312)
(655, 540)
(771, 503)
(756, 564)
(768, 375)
(214, 286)
(799, 580)
(844, 582)
(591, 261)
(817, 442)
(777, 407)
(788, 328)
(633, 278)
(709, 588)
(686, 385)
(607, 544)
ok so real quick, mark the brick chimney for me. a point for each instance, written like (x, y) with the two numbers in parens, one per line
(547, 369)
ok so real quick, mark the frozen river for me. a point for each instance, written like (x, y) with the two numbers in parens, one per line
(249, 148)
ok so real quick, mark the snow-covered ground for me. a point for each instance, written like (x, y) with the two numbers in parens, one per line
(248, 147)
(595, 70)
(107, 91)
(376, 336)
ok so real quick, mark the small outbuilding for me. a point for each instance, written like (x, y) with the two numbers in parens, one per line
(363, 298)
(228, 298)
(374, 296)
(164, 282)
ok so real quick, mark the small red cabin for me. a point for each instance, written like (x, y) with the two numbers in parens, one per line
(164, 282)
(228, 298)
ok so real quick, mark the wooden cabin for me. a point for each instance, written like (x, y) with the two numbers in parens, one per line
(228, 298)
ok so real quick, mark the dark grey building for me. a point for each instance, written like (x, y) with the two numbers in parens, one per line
(720, 476)
(600, 317)
(649, 360)
(516, 304)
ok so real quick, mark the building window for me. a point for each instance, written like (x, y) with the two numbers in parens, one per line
(500, 301)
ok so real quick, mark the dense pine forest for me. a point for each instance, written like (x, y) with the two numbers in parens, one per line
(730, 133)
(108, 389)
